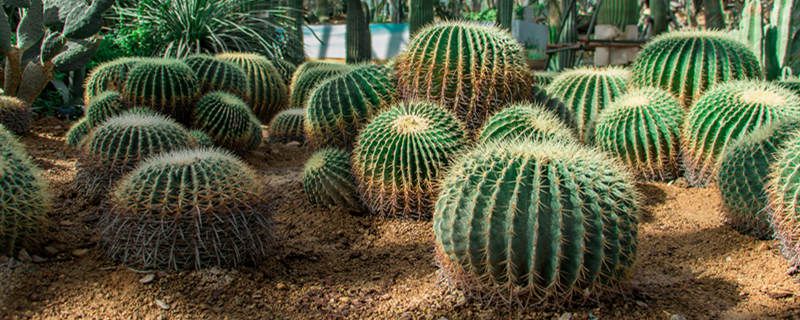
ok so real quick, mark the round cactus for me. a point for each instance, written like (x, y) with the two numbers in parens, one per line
(537, 222)
(15, 115)
(688, 63)
(328, 179)
(308, 76)
(286, 69)
(24, 198)
(743, 177)
(218, 75)
(166, 85)
(525, 121)
(791, 84)
(586, 92)
(287, 126)
(725, 114)
(201, 139)
(103, 106)
(783, 194)
(226, 119)
(470, 69)
(339, 107)
(268, 93)
(643, 128)
(553, 104)
(77, 133)
(255, 138)
(187, 209)
(399, 155)
(108, 76)
(544, 78)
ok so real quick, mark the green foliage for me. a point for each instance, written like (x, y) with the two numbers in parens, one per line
(399, 155)
(212, 202)
(104, 106)
(268, 93)
(688, 63)
(308, 76)
(227, 120)
(619, 13)
(726, 113)
(586, 92)
(108, 76)
(525, 122)
(218, 75)
(15, 115)
(77, 133)
(642, 128)
(470, 69)
(537, 223)
(287, 126)
(166, 85)
(340, 106)
(328, 179)
(783, 194)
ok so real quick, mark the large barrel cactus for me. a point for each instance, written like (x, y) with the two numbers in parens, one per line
(328, 179)
(744, 174)
(470, 69)
(791, 84)
(537, 223)
(201, 139)
(286, 69)
(108, 76)
(725, 114)
(218, 75)
(15, 115)
(586, 92)
(24, 197)
(643, 129)
(166, 85)
(103, 106)
(268, 93)
(398, 158)
(77, 132)
(227, 120)
(187, 209)
(525, 121)
(308, 76)
(287, 126)
(553, 104)
(339, 107)
(784, 197)
(544, 78)
(688, 63)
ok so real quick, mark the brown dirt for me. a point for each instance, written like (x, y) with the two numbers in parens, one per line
(330, 264)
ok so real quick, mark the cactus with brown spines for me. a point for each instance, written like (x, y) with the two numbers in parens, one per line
(77, 133)
(168, 86)
(525, 122)
(227, 120)
(554, 105)
(15, 115)
(308, 76)
(103, 106)
(544, 78)
(784, 193)
(268, 92)
(287, 126)
(328, 179)
(108, 76)
(218, 75)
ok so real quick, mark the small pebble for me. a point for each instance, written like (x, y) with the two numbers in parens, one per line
(147, 278)
(677, 317)
(80, 252)
(161, 304)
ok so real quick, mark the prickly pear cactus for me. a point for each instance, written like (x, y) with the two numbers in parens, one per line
(76, 134)
(586, 92)
(308, 76)
(218, 75)
(226, 119)
(470, 69)
(525, 122)
(268, 93)
(688, 63)
(339, 107)
(537, 223)
(168, 86)
(287, 126)
(744, 174)
(643, 129)
(15, 115)
(784, 194)
(213, 204)
(104, 106)
(328, 179)
(725, 114)
(108, 76)
(399, 155)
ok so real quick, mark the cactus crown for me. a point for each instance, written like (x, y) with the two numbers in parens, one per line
(525, 121)
(306, 78)
(77, 133)
(328, 179)
(218, 75)
(287, 126)
(103, 106)
(168, 86)
(226, 119)
(268, 92)
(108, 76)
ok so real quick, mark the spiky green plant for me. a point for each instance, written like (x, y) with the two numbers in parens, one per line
(743, 176)
(15, 115)
(328, 179)
(287, 126)
(256, 132)
(307, 77)
(218, 75)
(226, 119)
(108, 76)
(420, 15)
(24, 197)
(791, 84)
(526, 122)
(470, 69)
(619, 13)
(286, 69)
(268, 93)
(201, 139)
(103, 106)
(544, 78)
(554, 105)
(725, 114)
(339, 107)
(688, 63)
(538, 223)
(357, 38)
(188, 209)
(399, 155)
(586, 92)
(166, 85)
(643, 128)
(76, 134)
(783, 194)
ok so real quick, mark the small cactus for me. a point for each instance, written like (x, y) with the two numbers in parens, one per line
(108, 76)
(201, 139)
(218, 75)
(643, 128)
(726, 113)
(784, 194)
(268, 93)
(527, 122)
(166, 85)
(103, 106)
(15, 115)
(399, 155)
(553, 104)
(77, 133)
(287, 126)
(308, 76)
(328, 179)
(226, 119)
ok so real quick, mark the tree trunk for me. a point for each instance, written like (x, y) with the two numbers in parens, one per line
(419, 15)
(715, 18)
(659, 9)
(505, 13)
(357, 35)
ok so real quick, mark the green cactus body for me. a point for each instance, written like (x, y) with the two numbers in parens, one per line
(286, 69)
(187, 209)
(103, 106)
(743, 177)
(472, 70)
(226, 119)
(328, 179)
(268, 93)
(218, 75)
(339, 107)
(725, 114)
(201, 139)
(555, 105)
(541, 223)
(399, 155)
(15, 115)
(287, 126)
(24, 197)
(166, 85)
(688, 63)
(255, 138)
(76, 134)
(619, 13)
(544, 78)
(306, 78)
(784, 194)
(108, 76)
(791, 84)
(643, 129)
(586, 92)
(527, 122)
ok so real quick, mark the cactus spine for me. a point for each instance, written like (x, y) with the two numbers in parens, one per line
(218, 75)
(526, 122)
(227, 120)
(108, 76)
(15, 115)
(287, 126)
(103, 106)
(166, 85)
(201, 139)
(308, 76)
(77, 133)
(328, 180)
(784, 194)
(268, 93)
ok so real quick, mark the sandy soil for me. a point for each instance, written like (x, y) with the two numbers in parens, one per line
(330, 264)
